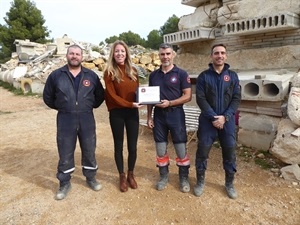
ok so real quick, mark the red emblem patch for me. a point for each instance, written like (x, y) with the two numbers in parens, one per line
(226, 78)
(86, 83)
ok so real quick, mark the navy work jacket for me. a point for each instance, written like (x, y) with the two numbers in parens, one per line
(218, 94)
(59, 91)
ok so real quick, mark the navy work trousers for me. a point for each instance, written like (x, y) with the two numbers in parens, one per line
(71, 126)
(207, 134)
(169, 119)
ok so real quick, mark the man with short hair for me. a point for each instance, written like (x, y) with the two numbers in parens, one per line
(175, 90)
(218, 95)
(74, 91)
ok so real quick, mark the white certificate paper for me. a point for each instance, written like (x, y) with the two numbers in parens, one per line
(148, 95)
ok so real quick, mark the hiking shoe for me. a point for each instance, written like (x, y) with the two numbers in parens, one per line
(231, 192)
(63, 191)
(94, 184)
(184, 184)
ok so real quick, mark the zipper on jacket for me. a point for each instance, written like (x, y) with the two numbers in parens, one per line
(220, 99)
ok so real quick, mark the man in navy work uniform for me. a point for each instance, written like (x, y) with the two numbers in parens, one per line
(218, 95)
(74, 91)
(175, 90)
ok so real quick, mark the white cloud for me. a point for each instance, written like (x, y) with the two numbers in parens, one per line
(94, 20)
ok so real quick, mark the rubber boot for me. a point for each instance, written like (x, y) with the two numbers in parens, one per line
(199, 188)
(131, 180)
(184, 179)
(164, 178)
(231, 192)
(123, 183)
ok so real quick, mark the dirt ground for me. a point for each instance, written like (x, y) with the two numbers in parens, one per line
(28, 160)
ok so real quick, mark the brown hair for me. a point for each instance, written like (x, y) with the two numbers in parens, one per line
(74, 46)
(216, 45)
(112, 66)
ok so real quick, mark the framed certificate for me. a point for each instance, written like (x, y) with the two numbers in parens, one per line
(148, 95)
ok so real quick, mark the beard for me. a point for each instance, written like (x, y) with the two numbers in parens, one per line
(166, 63)
(74, 63)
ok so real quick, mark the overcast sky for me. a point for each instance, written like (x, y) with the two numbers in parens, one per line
(95, 20)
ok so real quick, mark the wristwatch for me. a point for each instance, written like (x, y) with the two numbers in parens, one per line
(226, 118)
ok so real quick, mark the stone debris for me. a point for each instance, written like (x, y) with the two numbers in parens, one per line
(41, 59)
(291, 172)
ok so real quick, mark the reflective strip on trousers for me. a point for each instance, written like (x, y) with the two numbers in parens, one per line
(163, 161)
(69, 170)
(90, 168)
(183, 162)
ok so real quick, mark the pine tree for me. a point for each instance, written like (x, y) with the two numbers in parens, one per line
(23, 21)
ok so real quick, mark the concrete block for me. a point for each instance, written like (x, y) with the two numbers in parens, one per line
(263, 24)
(264, 85)
(37, 86)
(269, 108)
(260, 123)
(256, 139)
(250, 87)
(276, 87)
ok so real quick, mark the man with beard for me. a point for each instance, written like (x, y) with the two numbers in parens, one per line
(175, 90)
(74, 91)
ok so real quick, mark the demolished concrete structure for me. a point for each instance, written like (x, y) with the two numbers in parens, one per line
(32, 63)
(264, 48)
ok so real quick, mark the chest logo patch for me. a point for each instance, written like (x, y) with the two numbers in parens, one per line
(86, 83)
(226, 78)
(173, 79)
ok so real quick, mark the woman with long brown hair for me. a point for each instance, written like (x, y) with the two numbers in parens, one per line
(121, 81)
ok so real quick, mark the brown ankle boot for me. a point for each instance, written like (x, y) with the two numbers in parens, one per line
(131, 180)
(123, 183)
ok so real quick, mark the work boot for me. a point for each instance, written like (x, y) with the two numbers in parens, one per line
(131, 180)
(199, 188)
(63, 191)
(184, 178)
(164, 178)
(94, 184)
(123, 183)
(184, 184)
(231, 192)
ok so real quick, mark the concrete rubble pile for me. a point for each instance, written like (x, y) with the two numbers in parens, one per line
(31, 64)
